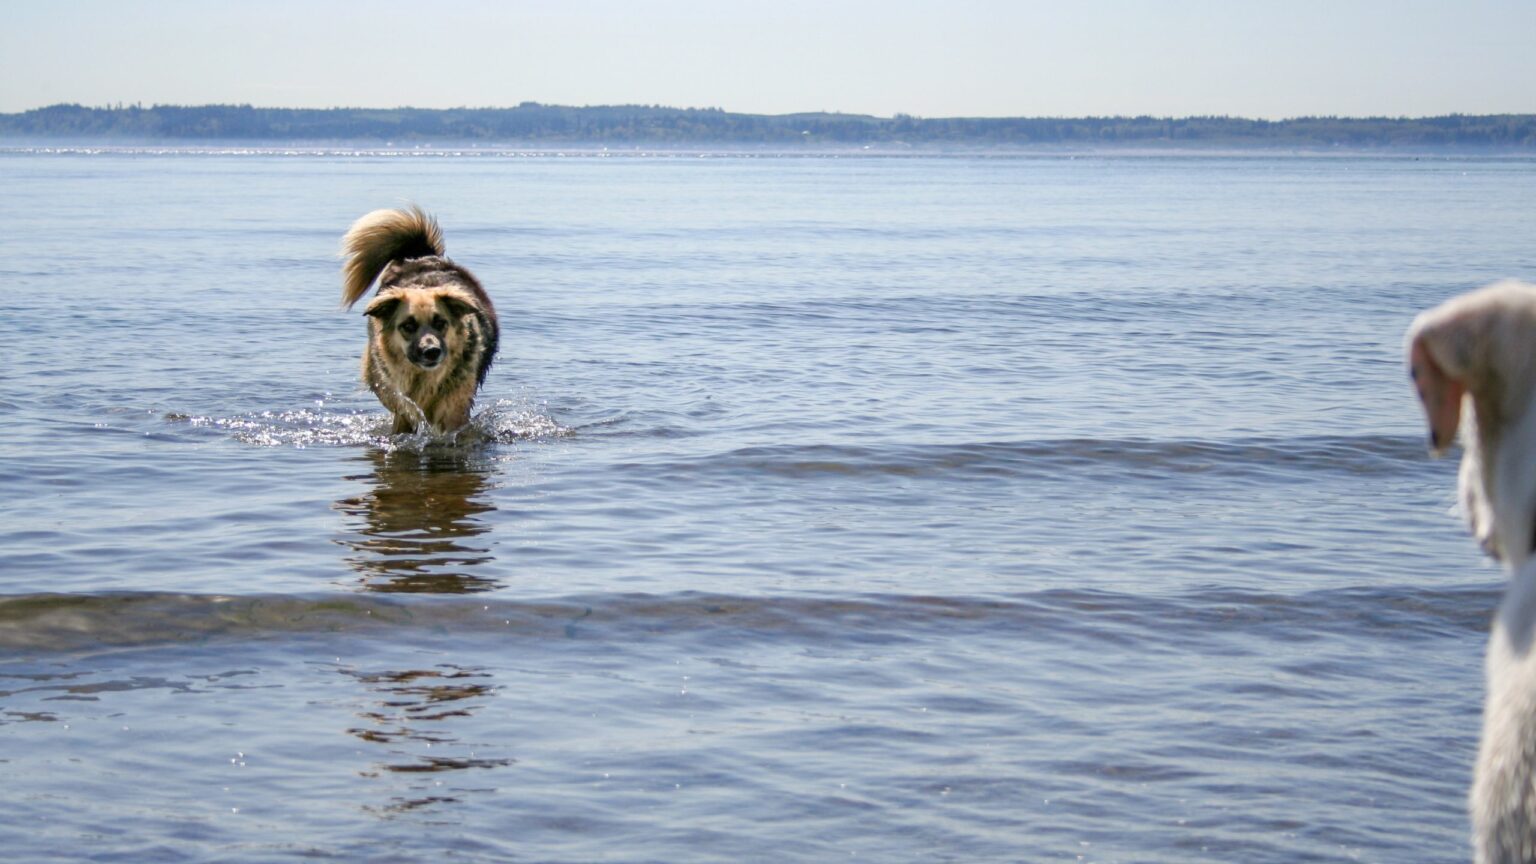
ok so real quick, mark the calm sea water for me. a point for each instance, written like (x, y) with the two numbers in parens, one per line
(893, 509)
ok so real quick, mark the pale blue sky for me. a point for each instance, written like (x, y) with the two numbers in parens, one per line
(1254, 58)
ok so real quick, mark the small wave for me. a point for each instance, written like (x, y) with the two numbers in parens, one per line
(503, 421)
(1352, 455)
(76, 622)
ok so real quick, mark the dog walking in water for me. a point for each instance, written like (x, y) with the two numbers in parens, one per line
(1473, 359)
(431, 327)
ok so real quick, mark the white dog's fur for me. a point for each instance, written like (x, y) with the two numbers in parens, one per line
(1473, 360)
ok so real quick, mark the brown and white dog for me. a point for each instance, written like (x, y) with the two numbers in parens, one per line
(1473, 359)
(432, 329)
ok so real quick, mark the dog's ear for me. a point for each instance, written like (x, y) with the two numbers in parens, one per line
(1440, 391)
(1458, 347)
(458, 305)
(383, 307)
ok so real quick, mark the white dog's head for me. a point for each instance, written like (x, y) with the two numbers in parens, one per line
(1473, 360)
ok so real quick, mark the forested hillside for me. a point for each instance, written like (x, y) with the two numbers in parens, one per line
(533, 123)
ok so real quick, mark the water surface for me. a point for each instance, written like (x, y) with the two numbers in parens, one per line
(938, 508)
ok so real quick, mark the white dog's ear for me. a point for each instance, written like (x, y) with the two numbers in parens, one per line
(1440, 390)
(382, 307)
(1480, 344)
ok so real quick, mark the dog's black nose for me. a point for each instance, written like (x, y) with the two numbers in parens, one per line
(431, 353)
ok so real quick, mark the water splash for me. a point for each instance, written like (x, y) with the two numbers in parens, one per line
(501, 422)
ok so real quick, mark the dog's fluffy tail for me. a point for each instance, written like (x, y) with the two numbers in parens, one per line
(379, 238)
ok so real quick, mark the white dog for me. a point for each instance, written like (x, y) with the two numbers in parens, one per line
(1473, 360)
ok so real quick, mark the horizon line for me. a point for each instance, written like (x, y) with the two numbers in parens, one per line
(122, 106)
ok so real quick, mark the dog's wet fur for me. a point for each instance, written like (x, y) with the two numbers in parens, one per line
(432, 329)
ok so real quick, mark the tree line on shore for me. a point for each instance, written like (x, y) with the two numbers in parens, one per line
(532, 123)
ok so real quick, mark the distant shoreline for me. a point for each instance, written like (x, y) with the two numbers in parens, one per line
(541, 127)
(364, 150)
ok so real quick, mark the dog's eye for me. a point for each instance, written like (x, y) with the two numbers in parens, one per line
(439, 322)
(408, 325)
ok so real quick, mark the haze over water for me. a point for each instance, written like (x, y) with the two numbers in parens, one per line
(965, 508)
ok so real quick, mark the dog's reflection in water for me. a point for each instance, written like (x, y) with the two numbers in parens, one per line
(414, 530)
(411, 713)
